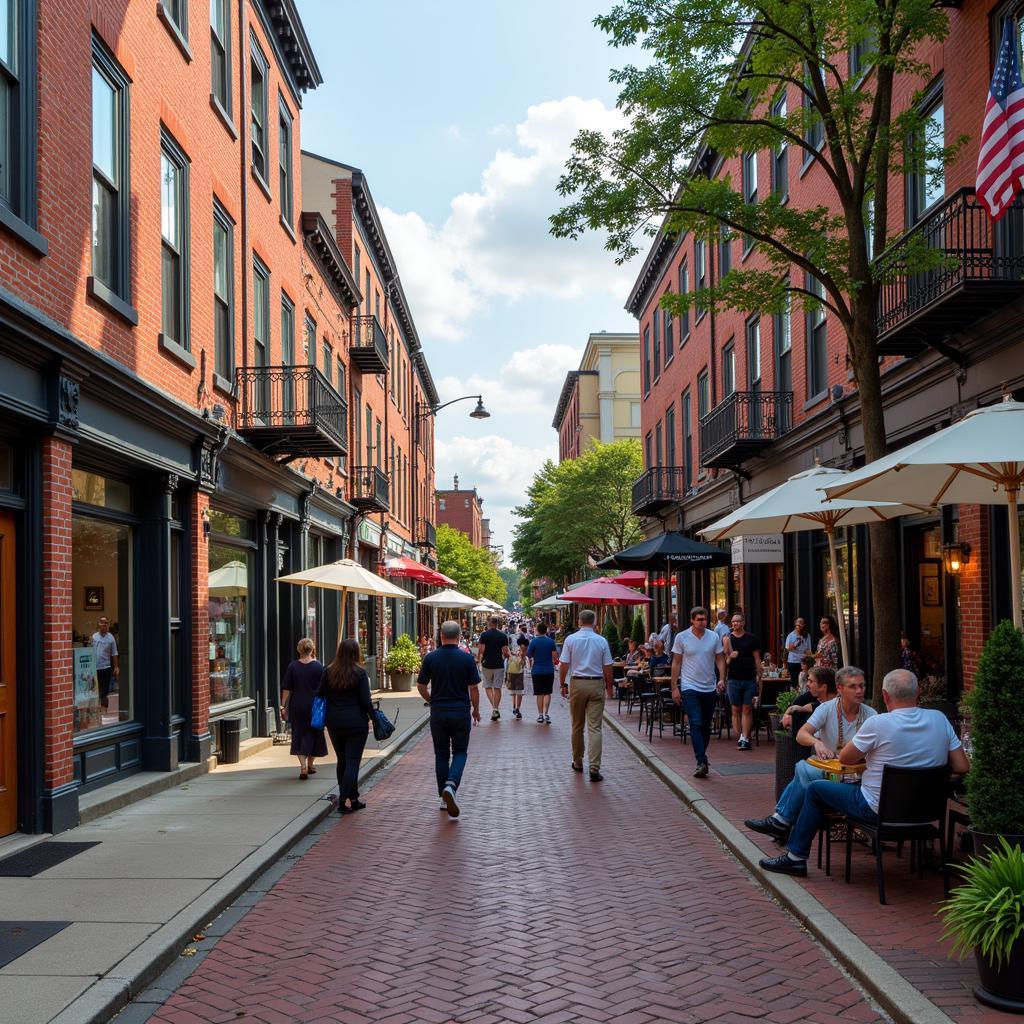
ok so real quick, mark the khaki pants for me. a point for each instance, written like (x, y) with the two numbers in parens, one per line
(586, 707)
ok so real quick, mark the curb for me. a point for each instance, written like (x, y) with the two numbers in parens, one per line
(111, 993)
(906, 1004)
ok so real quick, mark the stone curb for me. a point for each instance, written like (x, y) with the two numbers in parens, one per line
(906, 1004)
(111, 993)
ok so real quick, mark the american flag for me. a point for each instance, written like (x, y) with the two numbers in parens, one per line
(1001, 158)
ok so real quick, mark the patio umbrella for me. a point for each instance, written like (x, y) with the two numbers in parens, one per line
(552, 602)
(596, 592)
(448, 599)
(979, 460)
(796, 505)
(348, 577)
(632, 578)
(409, 568)
(667, 552)
(230, 580)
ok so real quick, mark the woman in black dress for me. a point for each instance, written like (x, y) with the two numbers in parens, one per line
(346, 687)
(298, 688)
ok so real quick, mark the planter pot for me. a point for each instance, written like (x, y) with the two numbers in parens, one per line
(988, 842)
(774, 721)
(401, 681)
(1002, 987)
(785, 760)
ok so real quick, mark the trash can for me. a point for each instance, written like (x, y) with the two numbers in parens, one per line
(230, 739)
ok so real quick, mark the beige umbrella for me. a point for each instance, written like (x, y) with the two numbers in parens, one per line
(348, 577)
(448, 599)
(230, 580)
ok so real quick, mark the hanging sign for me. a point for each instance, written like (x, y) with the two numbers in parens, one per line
(757, 549)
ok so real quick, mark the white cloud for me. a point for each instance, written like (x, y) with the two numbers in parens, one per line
(499, 469)
(495, 243)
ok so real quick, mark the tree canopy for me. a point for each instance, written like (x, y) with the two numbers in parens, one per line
(474, 570)
(512, 585)
(578, 511)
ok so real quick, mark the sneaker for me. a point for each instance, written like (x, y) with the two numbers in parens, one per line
(450, 803)
(495, 715)
(702, 770)
(516, 713)
(739, 743)
(784, 865)
(540, 719)
(769, 826)
(547, 719)
(745, 745)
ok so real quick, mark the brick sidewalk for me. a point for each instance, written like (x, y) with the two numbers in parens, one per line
(905, 932)
(552, 899)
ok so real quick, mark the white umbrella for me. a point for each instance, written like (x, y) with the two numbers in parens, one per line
(797, 505)
(482, 609)
(552, 602)
(230, 580)
(448, 599)
(348, 577)
(978, 460)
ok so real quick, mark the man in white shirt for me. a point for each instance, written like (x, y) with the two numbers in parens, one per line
(907, 737)
(698, 673)
(585, 674)
(107, 659)
(722, 626)
(668, 632)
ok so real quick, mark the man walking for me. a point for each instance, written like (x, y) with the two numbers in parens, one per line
(448, 683)
(722, 626)
(585, 674)
(107, 660)
(698, 671)
(492, 652)
(743, 669)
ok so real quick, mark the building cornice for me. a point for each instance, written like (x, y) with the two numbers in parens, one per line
(321, 244)
(365, 209)
(292, 48)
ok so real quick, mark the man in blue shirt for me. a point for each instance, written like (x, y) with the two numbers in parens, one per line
(541, 653)
(449, 682)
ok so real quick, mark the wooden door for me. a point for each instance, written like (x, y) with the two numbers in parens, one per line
(8, 689)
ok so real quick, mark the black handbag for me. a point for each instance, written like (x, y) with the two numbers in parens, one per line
(383, 727)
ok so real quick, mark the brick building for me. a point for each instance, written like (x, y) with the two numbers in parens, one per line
(734, 404)
(182, 360)
(462, 510)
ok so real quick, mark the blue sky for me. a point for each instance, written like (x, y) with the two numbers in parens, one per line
(461, 115)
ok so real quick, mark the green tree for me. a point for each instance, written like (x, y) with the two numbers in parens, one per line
(639, 633)
(512, 586)
(611, 634)
(474, 570)
(578, 512)
(711, 87)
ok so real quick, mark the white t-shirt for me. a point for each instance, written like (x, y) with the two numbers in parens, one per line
(698, 670)
(905, 738)
(106, 648)
(824, 723)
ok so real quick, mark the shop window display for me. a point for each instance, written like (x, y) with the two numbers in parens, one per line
(229, 585)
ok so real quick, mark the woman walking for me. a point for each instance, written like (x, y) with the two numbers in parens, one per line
(346, 688)
(541, 654)
(298, 688)
(827, 654)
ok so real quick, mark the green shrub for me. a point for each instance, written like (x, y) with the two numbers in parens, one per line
(784, 699)
(611, 634)
(987, 912)
(639, 633)
(403, 658)
(997, 734)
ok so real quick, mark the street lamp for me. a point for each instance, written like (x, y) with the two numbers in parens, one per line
(479, 413)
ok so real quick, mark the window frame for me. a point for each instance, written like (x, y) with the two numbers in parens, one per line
(700, 273)
(814, 133)
(916, 204)
(171, 149)
(656, 343)
(729, 368)
(670, 435)
(222, 40)
(262, 272)
(684, 289)
(285, 173)
(754, 361)
(646, 367)
(780, 153)
(686, 414)
(812, 325)
(223, 220)
(725, 250)
(259, 62)
(668, 334)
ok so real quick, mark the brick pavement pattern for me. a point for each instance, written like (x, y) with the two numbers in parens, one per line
(552, 899)
(905, 932)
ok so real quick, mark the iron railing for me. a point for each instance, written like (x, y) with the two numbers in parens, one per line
(369, 350)
(744, 422)
(291, 398)
(955, 244)
(659, 486)
(369, 488)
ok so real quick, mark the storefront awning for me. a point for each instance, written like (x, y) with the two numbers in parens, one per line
(409, 568)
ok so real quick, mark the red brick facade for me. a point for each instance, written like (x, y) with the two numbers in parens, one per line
(462, 510)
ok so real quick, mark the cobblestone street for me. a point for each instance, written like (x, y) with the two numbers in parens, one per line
(552, 899)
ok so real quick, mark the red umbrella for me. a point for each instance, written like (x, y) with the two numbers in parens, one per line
(605, 592)
(633, 578)
(411, 569)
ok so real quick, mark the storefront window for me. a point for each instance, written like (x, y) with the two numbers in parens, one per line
(101, 569)
(718, 597)
(228, 587)
(363, 624)
(100, 491)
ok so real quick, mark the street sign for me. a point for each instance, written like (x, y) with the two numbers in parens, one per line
(757, 549)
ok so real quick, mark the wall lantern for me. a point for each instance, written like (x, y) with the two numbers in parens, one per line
(206, 522)
(955, 556)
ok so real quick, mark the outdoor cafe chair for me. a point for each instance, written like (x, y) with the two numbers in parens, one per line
(911, 806)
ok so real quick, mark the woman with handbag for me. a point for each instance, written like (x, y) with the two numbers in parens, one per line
(345, 687)
(298, 687)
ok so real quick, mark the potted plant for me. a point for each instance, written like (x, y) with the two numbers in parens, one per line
(402, 662)
(986, 915)
(994, 792)
(782, 703)
(785, 745)
(611, 634)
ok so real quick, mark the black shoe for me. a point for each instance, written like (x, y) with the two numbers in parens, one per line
(768, 827)
(356, 805)
(702, 770)
(342, 809)
(596, 776)
(785, 865)
(577, 768)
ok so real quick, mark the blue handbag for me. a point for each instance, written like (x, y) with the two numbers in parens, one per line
(383, 727)
(319, 713)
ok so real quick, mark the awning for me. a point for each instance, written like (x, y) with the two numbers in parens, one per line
(409, 568)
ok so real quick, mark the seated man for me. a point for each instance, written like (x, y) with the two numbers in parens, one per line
(818, 691)
(907, 737)
(660, 663)
(827, 730)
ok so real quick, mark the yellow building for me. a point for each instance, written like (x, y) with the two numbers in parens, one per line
(600, 400)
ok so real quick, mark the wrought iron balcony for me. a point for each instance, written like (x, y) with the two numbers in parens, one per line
(975, 266)
(369, 351)
(369, 490)
(426, 534)
(291, 412)
(742, 425)
(658, 489)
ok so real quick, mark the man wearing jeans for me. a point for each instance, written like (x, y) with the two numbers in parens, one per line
(907, 737)
(448, 681)
(585, 674)
(698, 672)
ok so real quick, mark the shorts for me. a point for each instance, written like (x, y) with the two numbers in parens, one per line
(741, 692)
(492, 677)
(514, 681)
(543, 684)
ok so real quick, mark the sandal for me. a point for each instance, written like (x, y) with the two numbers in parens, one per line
(303, 776)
